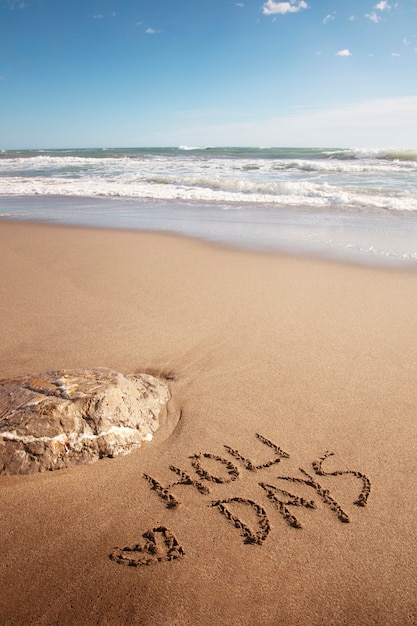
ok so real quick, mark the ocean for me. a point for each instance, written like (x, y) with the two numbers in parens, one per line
(357, 205)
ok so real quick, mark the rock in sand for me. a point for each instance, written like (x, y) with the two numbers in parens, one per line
(56, 419)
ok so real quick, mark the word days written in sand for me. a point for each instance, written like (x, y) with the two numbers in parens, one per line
(160, 544)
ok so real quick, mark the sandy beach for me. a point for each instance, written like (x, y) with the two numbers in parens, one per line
(273, 362)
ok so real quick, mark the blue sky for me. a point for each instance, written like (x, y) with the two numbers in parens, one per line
(112, 73)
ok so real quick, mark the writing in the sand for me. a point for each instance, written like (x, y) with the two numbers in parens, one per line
(229, 472)
(209, 471)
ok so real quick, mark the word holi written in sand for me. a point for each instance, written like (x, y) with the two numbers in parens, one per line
(160, 544)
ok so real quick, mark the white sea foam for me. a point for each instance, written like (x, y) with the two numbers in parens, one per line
(190, 148)
(210, 189)
(374, 153)
(233, 192)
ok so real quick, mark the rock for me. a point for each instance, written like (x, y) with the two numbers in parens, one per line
(53, 420)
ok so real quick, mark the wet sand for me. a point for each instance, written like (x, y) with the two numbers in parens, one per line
(315, 357)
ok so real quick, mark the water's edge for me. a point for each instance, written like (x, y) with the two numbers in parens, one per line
(378, 238)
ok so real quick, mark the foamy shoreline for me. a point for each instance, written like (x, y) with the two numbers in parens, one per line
(364, 237)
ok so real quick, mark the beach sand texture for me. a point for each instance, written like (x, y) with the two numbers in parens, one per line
(273, 363)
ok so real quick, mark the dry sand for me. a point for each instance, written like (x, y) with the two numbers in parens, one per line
(314, 356)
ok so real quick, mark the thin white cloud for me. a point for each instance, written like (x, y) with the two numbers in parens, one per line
(16, 4)
(328, 18)
(344, 53)
(382, 6)
(406, 42)
(101, 16)
(239, 4)
(374, 124)
(395, 54)
(351, 18)
(282, 8)
(373, 17)
(151, 31)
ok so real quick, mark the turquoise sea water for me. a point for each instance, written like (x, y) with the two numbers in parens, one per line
(354, 204)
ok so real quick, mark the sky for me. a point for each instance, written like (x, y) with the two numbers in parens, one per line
(143, 73)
